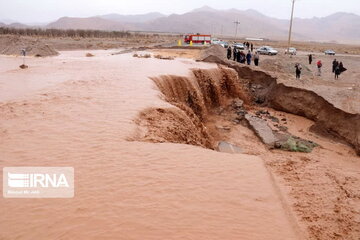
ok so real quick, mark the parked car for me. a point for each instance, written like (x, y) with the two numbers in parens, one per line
(215, 41)
(224, 44)
(291, 51)
(239, 46)
(266, 50)
(329, 52)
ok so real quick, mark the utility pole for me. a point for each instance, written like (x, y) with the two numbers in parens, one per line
(23, 52)
(291, 22)
(237, 23)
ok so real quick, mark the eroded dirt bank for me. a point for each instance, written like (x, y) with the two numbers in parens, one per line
(328, 119)
(195, 99)
(208, 90)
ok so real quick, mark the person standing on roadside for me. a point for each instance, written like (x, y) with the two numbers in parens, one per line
(229, 50)
(337, 72)
(310, 58)
(242, 57)
(238, 56)
(252, 47)
(248, 58)
(319, 66)
(334, 65)
(298, 70)
(341, 67)
(256, 58)
(234, 53)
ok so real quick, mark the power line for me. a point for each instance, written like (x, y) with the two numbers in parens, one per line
(237, 23)
(291, 23)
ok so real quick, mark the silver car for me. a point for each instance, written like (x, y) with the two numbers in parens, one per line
(239, 46)
(291, 51)
(329, 52)
(266, 50)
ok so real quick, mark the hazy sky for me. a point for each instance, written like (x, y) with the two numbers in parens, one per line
(29, 11)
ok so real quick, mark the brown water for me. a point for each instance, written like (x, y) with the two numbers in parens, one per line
(75, 111)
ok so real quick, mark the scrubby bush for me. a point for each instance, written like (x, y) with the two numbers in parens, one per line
(78, 34)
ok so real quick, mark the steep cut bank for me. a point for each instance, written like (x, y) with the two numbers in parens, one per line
(207, 91)
(266, 91)
(194, 98)
(328, 119)
(173, 125)
(204, 91)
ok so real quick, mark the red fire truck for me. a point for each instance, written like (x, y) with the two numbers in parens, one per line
(197, 38)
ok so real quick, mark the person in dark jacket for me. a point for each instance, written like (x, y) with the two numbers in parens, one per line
(229, 50)
(256, 58)
(252, 47)
(248, 58)
(334, 65)
(337, 72)
(310, 59)
(242, 57)
(298, 70)
(234, 53)
(341, 67)
(238, 56)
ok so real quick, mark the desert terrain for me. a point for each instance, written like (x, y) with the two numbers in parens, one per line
(142, 121)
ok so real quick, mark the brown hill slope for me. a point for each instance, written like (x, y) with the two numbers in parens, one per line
(95, 23)
(339, 27)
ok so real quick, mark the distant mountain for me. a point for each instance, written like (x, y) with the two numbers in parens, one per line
(14, 25)
(339, 27)
(18, 25)
(133, 18)
(92, 23)
(205, 9)
(220, 22)
(7, 21)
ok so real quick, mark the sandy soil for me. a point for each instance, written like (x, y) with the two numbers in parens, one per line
(71, 110)
(321, 188)
(181, 53)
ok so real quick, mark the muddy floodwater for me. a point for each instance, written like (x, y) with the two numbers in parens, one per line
(83, 112)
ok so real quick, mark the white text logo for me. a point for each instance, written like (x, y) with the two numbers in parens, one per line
(38, 182)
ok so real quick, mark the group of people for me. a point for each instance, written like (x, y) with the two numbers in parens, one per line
(249, 46)
(318, 64)
(241, 57)
(337, 67)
